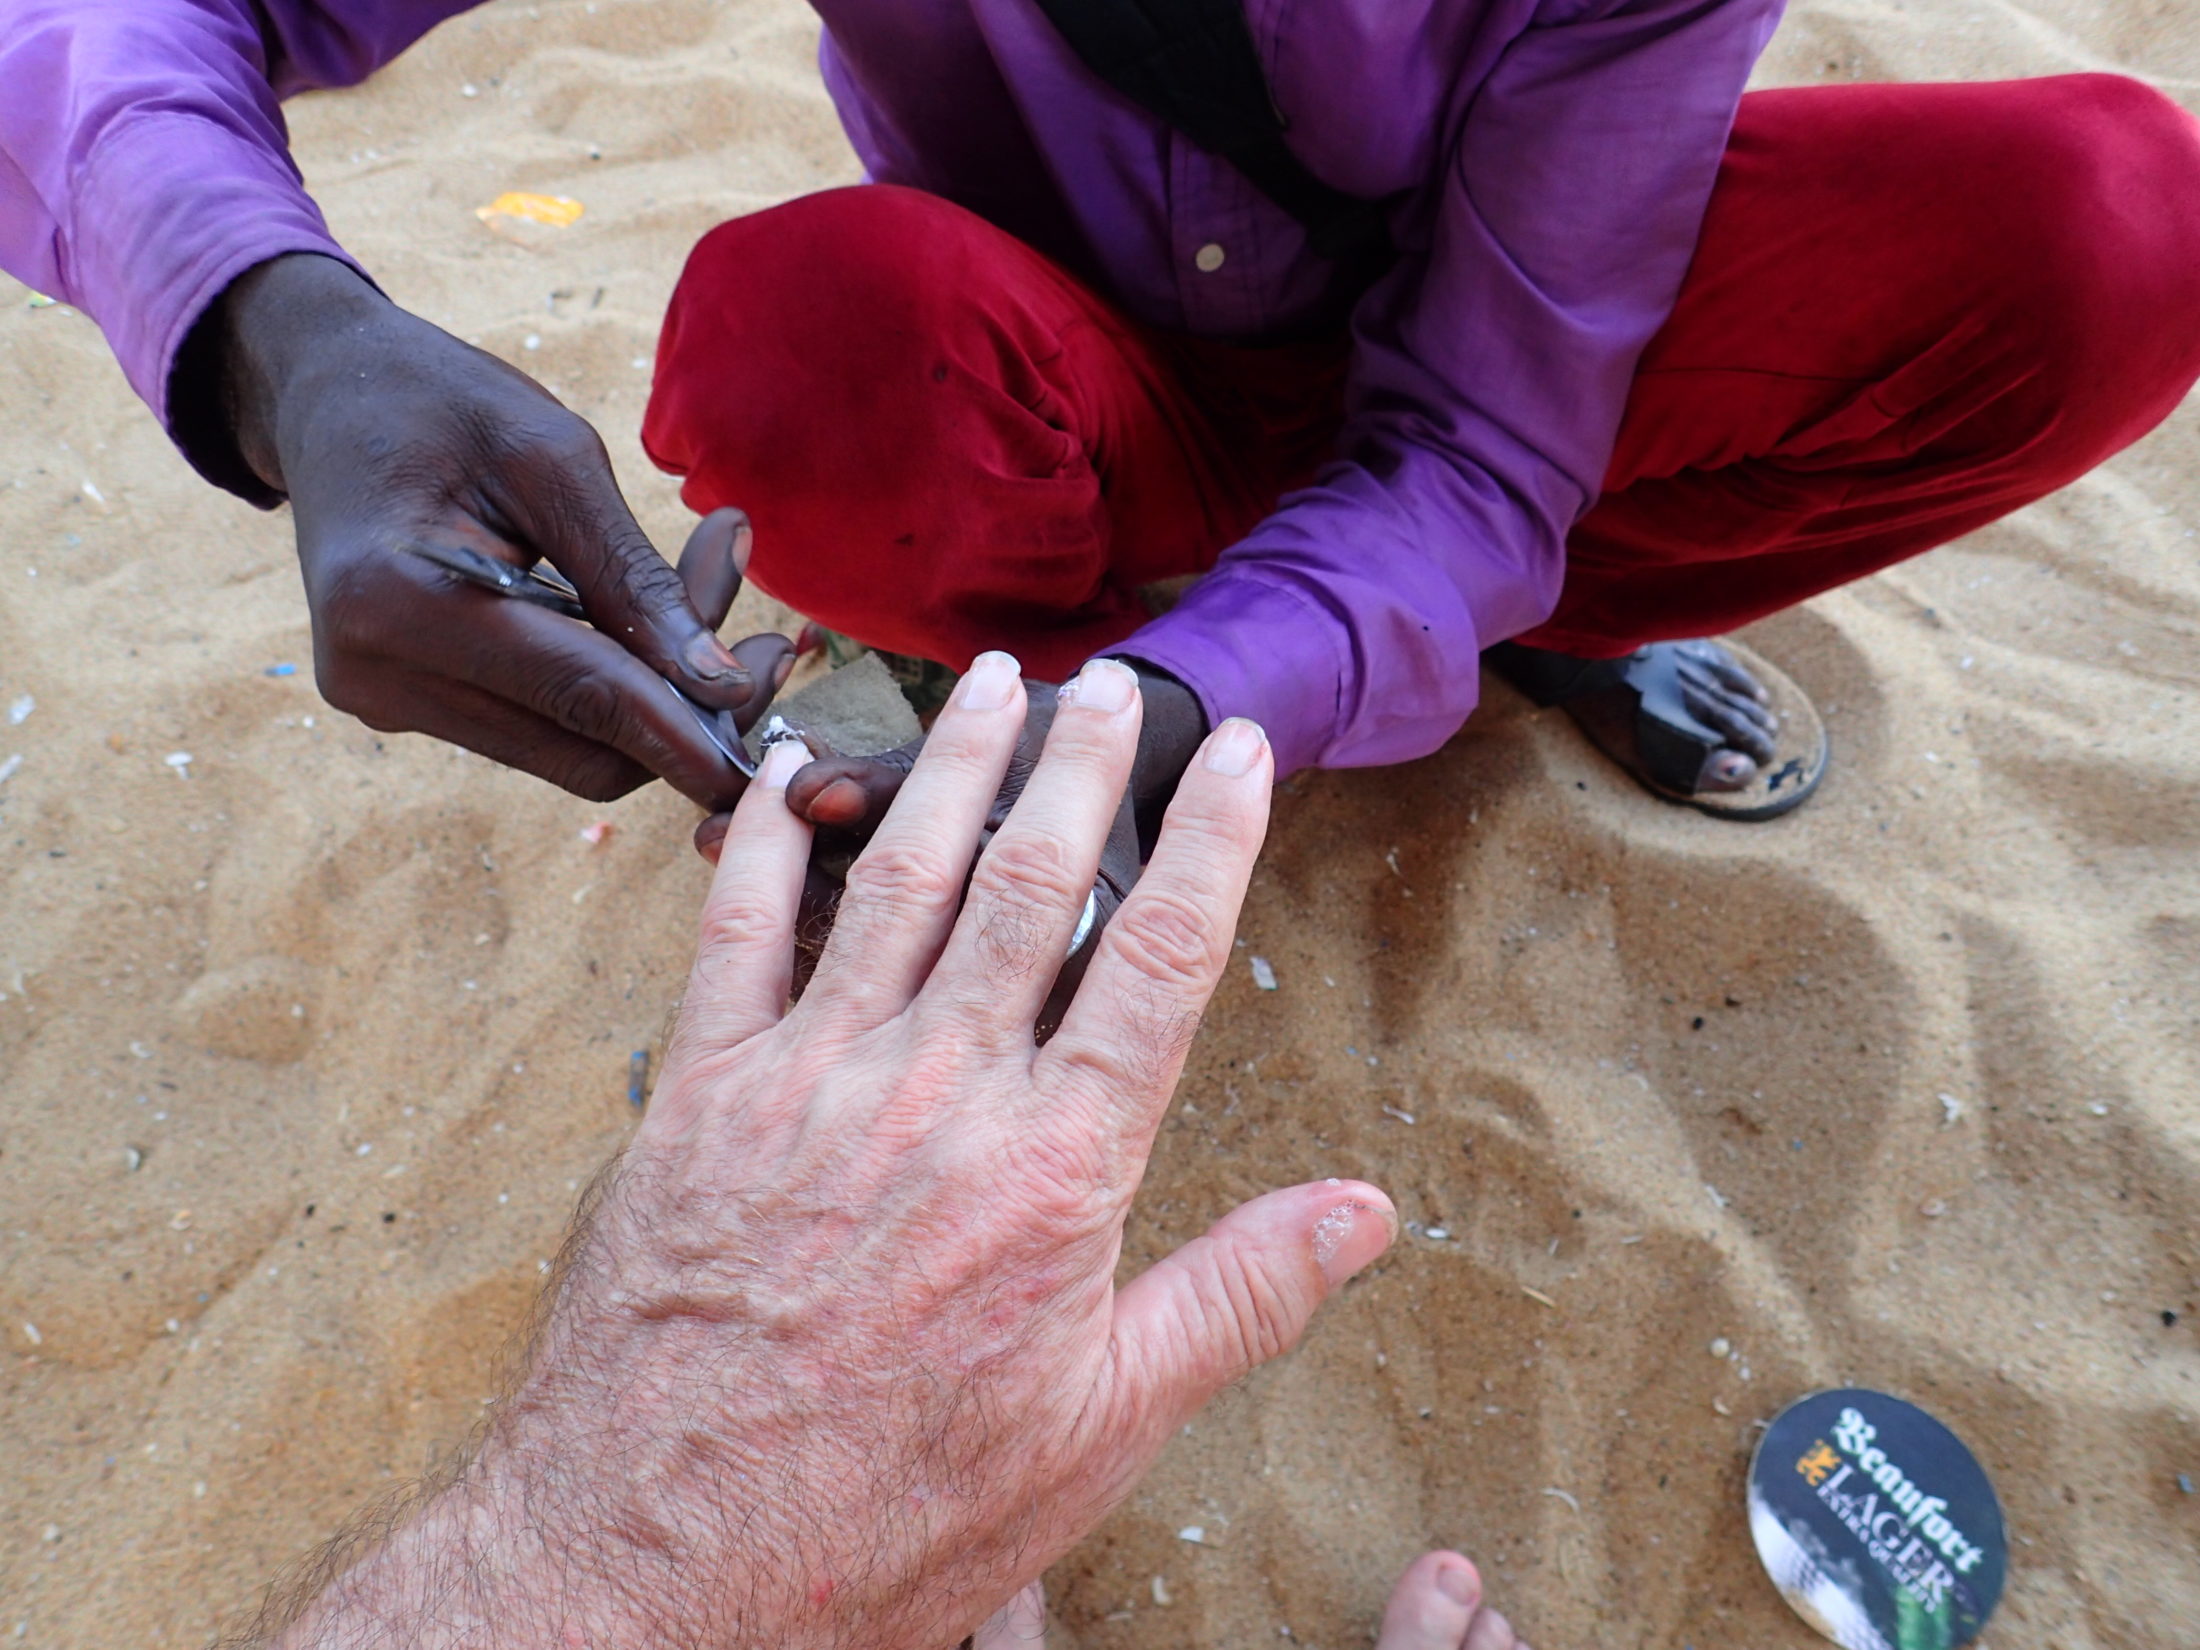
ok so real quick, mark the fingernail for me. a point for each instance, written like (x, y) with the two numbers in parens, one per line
(1459, 1584)
(991, 682)
(1234, 747)
(1106, 685)
(783, 759)
(781, 671)
(708, 658)
(744, 541)
(1349, 1236)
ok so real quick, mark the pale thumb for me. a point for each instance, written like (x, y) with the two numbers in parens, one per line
(1243, 1293)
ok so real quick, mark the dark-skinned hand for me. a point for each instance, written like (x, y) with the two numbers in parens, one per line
(845, 798)
(384, 431)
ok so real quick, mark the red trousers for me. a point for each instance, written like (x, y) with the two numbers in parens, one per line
(1913, 310)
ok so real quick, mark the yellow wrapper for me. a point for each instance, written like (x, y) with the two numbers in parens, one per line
(558, 211)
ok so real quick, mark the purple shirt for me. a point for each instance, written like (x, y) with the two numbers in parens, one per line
(1551, 160)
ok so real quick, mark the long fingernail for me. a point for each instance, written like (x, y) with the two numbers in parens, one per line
(991, 682)
(708, 658)
(783, 759)
(1349, 1236)
(1233, 748)
(1106, 685)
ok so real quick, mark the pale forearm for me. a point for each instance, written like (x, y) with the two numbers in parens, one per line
(503, 1559)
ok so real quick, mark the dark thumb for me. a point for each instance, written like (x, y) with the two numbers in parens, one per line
(580, 523)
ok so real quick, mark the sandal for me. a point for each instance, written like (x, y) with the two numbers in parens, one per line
(1635, 711)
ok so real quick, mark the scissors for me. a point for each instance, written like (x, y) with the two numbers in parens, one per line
(545, 586)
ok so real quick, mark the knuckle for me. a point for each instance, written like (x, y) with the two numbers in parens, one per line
(935, 1067)
(597, 773)
(346, 687)
(895, 876)
(599, 778)
(369, 714)
(582, 701)
(1068, 1178)
(1168, 938)
(739, 918)
(351, 608)
(574, 448)
(650, 583)
(1024, 865)
(1261, 1313)
(560, 441)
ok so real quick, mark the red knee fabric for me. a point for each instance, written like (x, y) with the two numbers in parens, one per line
(947, 443)
(1913, 310)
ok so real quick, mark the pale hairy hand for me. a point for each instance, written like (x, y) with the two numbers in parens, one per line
(840, 1359)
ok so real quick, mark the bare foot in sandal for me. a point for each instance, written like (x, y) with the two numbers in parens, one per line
(1696, 721)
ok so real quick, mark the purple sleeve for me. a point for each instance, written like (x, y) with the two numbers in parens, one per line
(144, 163)
(1489, 374)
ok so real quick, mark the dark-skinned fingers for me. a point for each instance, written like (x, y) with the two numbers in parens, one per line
(744, 959)
(711, 568)
(849, 795)
(768, 657)
(710, 836)
(1133, 1018)
(713, 562)
(1032, 881)
(587, 684)
(566, 504)
(903, 890)
(488, 726)
(852, 793)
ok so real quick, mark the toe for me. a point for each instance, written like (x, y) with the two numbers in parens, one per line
(1434, 1605)
(1726, 771)
(1730, 671)
(1020, 1624)
(1742, 723)
(1490, 1631)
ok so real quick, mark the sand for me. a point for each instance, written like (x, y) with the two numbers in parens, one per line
(305, 1047)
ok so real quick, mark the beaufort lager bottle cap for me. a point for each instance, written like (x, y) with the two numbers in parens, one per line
(1876, 1523)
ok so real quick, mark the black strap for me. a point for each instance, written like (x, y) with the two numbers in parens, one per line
(1193, 65)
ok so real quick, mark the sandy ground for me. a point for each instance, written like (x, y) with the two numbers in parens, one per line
(303, 1054)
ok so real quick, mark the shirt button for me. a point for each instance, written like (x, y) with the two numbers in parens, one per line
(1209, 257)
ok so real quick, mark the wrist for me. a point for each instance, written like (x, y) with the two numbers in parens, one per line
(521, 1550)
(260, 336)
(1175, 723)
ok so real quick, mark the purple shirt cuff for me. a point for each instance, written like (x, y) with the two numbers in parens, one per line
(171, 209)
(1246, 647)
